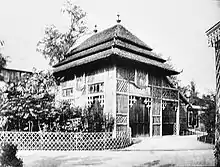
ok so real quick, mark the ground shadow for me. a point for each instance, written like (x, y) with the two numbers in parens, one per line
(148, 164)
(167, 165)
(72, 161)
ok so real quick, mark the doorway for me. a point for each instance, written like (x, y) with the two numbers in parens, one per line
(169, 109)
(139, 117)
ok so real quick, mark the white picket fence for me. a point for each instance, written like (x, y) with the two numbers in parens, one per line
(66, 140)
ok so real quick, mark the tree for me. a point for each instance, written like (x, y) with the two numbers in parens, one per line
(28, 102)
(3, 59)
(173, 78)
(55, 44)
(208, 117)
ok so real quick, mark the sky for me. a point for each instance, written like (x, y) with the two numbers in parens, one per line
(173, 28)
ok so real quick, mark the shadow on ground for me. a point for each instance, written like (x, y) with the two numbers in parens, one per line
(72, 161)
(153, 163)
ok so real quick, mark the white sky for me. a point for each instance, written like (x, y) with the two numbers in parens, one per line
(174, 28)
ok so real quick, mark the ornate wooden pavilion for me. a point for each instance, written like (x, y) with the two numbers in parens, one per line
(128, 79)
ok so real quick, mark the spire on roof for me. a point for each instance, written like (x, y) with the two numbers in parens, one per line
(95, 30)
(118, 20)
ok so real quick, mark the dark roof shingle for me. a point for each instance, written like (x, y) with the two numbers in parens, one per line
(116, 41)
(115, 52)
(108, 34)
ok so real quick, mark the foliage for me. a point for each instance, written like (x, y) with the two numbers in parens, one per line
(173, 78)
(96, 120)
(217, 153)
(208, 117)
(30, 106)
(28, 102)
(8, 157)
(55, 44)
(2, 58)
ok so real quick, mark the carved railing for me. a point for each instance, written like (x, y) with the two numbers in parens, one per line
(66, 141)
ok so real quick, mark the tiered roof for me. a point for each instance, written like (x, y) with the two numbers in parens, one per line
(115, 41)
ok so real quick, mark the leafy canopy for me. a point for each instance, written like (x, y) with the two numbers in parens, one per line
(56, 44)
(3, 59)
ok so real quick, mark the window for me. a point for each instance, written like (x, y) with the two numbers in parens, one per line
(67, 92)
(96, 88)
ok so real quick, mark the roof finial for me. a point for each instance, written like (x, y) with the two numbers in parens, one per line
(95, 30)
(118, 20)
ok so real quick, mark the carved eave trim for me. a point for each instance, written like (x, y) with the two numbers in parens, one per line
(213, 34)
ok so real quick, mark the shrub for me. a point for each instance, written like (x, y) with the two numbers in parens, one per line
(8, 157)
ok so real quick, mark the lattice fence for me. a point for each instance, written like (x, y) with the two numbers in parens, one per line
(66, 141)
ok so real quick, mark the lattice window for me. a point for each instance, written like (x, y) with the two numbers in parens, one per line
(122, 86)
(100, 98)
(96, 88)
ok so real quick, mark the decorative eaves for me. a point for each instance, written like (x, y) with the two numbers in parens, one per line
(213, 34)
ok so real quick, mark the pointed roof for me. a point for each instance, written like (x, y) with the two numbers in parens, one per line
(103, 36)
(114, 41)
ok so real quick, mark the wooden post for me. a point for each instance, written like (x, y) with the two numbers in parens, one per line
(114, 99)
(151, 118)
(178, 116)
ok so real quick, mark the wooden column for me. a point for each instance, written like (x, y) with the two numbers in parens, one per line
(151, 119)
(114, 99)
(178, 116)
